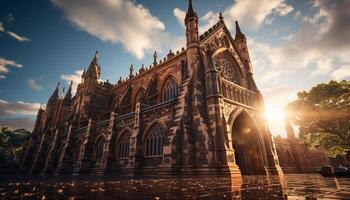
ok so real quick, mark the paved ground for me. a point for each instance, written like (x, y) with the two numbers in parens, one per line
(295, 186)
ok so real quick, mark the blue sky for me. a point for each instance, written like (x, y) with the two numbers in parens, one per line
(293, 44)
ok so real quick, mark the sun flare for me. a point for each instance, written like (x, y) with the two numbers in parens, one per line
(275, 119)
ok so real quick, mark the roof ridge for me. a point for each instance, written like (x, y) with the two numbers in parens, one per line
(211, 30)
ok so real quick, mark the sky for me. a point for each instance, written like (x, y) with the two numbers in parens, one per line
(293, 45)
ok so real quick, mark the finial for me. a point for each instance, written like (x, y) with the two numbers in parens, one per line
(239, 34)
(155, 58)
(221, 18)
(95, 59)
(69, 92)
(131, 70)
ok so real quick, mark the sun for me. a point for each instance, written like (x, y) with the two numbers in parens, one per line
(275, 119)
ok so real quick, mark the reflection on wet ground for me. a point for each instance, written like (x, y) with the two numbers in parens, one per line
(253, 187)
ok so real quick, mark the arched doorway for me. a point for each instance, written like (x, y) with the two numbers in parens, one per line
(249, 151)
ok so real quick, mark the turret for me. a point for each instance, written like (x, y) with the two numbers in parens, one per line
(191, 23)
(192, 52)
(241, 43)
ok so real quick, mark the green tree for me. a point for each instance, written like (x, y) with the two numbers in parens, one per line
(323, 116)
(11, 141)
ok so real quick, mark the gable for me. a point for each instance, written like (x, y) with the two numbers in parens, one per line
(218, 39)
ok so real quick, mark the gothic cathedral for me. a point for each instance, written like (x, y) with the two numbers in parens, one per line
(196, 111)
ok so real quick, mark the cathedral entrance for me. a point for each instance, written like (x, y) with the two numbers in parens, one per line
(249, 151)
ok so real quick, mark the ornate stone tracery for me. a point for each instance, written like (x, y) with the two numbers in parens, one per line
(228, 69)
(154, 141)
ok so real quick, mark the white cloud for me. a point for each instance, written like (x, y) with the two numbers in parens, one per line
(320, 46)
(319, 50)
(2, 29)
(5, 64)
(8, 109)
(18, 37)
(180, 16)
(341, 73)
(324, 67)
(255, 13)
(18, 122)
(34, 85)
(117, 21)
(76, 78)
(2, 77)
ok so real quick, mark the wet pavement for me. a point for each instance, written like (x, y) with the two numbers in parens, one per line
(296, 186)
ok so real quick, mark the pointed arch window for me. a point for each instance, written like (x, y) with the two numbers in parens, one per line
(170, 89)
(99, 149)
(123, 145)
(154, 141)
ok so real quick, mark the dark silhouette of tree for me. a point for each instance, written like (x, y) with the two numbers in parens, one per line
(11, 141)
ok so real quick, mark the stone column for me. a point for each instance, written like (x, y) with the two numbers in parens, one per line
(63, 153)
(107, 143)
(37, 153)
(51, 147)
(25, 154)
(135, 152)
(78, 165)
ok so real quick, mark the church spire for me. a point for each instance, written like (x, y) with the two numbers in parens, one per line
(239, 34)
(190, 11)
(68, 96)
(94, 69)
(191, 23)
(54, 95)
(96, 57)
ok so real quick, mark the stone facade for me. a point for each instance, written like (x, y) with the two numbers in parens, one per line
(295, 157)
(197, 111)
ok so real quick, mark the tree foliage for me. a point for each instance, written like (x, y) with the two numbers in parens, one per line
(323, 116)
(11, 141)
